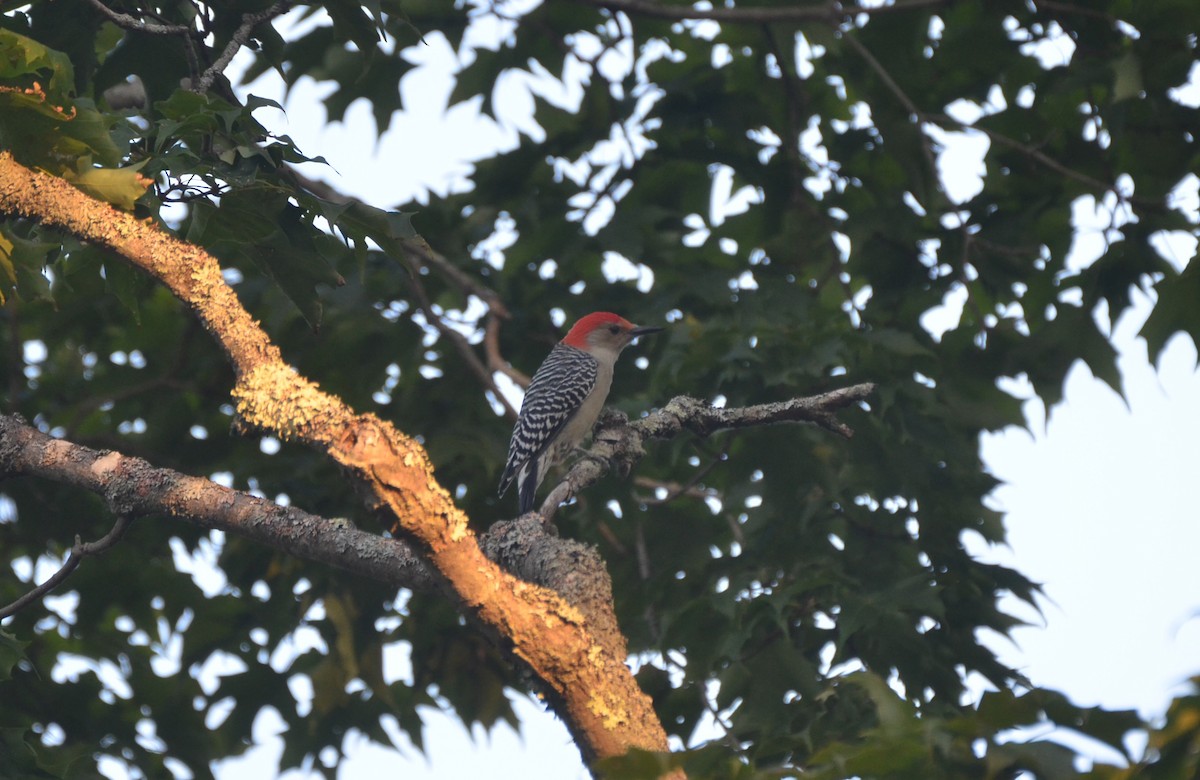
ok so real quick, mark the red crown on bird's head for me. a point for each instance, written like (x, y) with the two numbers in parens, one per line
(577, 335)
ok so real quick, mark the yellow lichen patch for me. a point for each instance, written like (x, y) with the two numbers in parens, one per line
(274, 397)
(609, 710)
(207, 275)
(563, 612)
(456, 523)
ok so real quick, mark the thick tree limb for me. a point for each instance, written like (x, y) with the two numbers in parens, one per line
(619, 443)
(600, 701)
(132, 487)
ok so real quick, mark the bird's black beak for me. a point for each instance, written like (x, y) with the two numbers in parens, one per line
(644, 331)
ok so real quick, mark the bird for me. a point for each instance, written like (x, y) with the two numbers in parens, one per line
(564, 398)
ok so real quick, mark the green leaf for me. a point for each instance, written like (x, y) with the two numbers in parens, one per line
(27, 259)
(12, 650)
(1175, 311)
(120, 186)
(25, 57)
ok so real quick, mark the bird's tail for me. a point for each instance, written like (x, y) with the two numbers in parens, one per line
(528, 488)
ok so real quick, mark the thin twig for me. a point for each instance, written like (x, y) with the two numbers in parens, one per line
(796, 100)
(675, 490)
(168, 379)
(1051, 163)
(241, 37)
(699, 687)
(419, 254)
(78, 552)
(833, 12)
(91, 403)
(914, 113)
(468, 284)
(496, 361)
(127, 22)
(465, 350)
(1068, 8)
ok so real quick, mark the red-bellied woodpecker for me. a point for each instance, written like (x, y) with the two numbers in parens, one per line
(564, 399)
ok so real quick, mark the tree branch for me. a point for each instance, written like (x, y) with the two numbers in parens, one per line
(420, 249)
(133, 487)
(241, 36)
(1030, 151)
(417, 252)
(601, 703)
(1069, 8)
(496, 361)
(458, 340)
(833, 12)
(1038, 155)
(619, 443)
(79, 551)
(914, 113)
(127, 22)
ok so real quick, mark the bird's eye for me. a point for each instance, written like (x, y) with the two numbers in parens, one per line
(614, 329)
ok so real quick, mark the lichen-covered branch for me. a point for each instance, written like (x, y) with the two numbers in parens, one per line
(133, 488)
(619, 443)
(599, 699)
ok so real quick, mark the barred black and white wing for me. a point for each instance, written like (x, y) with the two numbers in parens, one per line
(555, 395)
